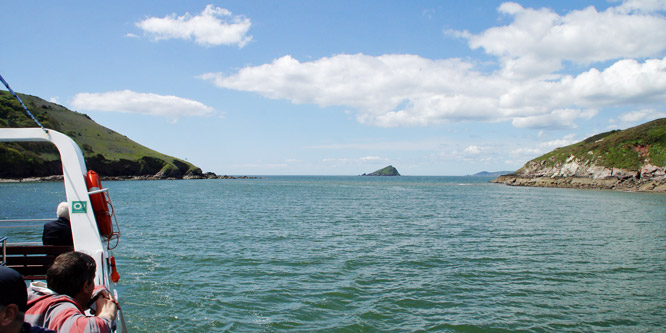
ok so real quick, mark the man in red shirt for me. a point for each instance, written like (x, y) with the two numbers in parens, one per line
(70, 289)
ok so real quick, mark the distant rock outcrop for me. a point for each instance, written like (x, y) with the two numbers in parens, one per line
(629, 160)
(387, 171)
(490, 174)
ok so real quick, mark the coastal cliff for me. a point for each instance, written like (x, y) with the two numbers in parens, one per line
(630, 160)
(105, 151)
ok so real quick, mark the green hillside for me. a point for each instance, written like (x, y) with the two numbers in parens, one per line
(105, 151)
(627, 149)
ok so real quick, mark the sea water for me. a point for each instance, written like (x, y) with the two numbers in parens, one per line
(377, 254)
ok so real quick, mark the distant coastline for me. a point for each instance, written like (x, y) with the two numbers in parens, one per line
(59, 178)
(490, 174)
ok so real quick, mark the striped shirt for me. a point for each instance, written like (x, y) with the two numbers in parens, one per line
(61, 313)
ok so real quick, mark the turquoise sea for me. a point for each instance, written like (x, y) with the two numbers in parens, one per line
(372, 254)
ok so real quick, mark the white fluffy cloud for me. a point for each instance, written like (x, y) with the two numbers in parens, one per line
(641, 115)
(628, 119)
(407, 90)
(561, 118)
(561, 142)
(642, 6)
(626, 82)
(388, 90)
(213, 26)
(537, 41)
(127, 101)
(527, 89)
(473, 150)
(528, 153)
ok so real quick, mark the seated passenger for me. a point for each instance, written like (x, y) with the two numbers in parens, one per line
(59, 232)
(13, 298)
(70, 290)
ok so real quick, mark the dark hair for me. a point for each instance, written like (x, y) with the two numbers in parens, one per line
(69, 271)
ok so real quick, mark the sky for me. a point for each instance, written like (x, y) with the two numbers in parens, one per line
(344, 87)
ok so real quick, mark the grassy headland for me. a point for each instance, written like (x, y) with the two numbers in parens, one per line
(633, 159)
(629, 149)
(105, 151)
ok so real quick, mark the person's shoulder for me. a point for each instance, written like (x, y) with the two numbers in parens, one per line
(50, 223)
(61, 302)
(62, 220)
(41, 299)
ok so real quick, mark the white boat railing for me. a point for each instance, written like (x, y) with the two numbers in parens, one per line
(23, 221)
(26, 220)
(99, 191)
(4, 250)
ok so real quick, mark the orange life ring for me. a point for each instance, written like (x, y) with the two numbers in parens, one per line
(100, 205)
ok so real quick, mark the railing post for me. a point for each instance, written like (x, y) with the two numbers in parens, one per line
(4, 250)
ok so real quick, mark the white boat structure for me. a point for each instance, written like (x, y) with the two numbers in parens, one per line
(93, 232)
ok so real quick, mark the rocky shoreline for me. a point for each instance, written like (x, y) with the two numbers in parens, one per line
(59, 178)
(610, 183)
(583, 175)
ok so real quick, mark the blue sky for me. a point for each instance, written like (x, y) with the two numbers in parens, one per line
(344, 87)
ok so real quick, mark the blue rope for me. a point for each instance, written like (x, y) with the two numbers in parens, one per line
(20, 101)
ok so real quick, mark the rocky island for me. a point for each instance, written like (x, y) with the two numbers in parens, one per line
(387, 171)
(629, 160)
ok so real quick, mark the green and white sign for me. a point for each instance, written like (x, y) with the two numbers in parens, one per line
(79, 207)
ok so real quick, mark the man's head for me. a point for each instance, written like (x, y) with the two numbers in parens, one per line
(63, 210)
(72, 274)
(13, 299)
